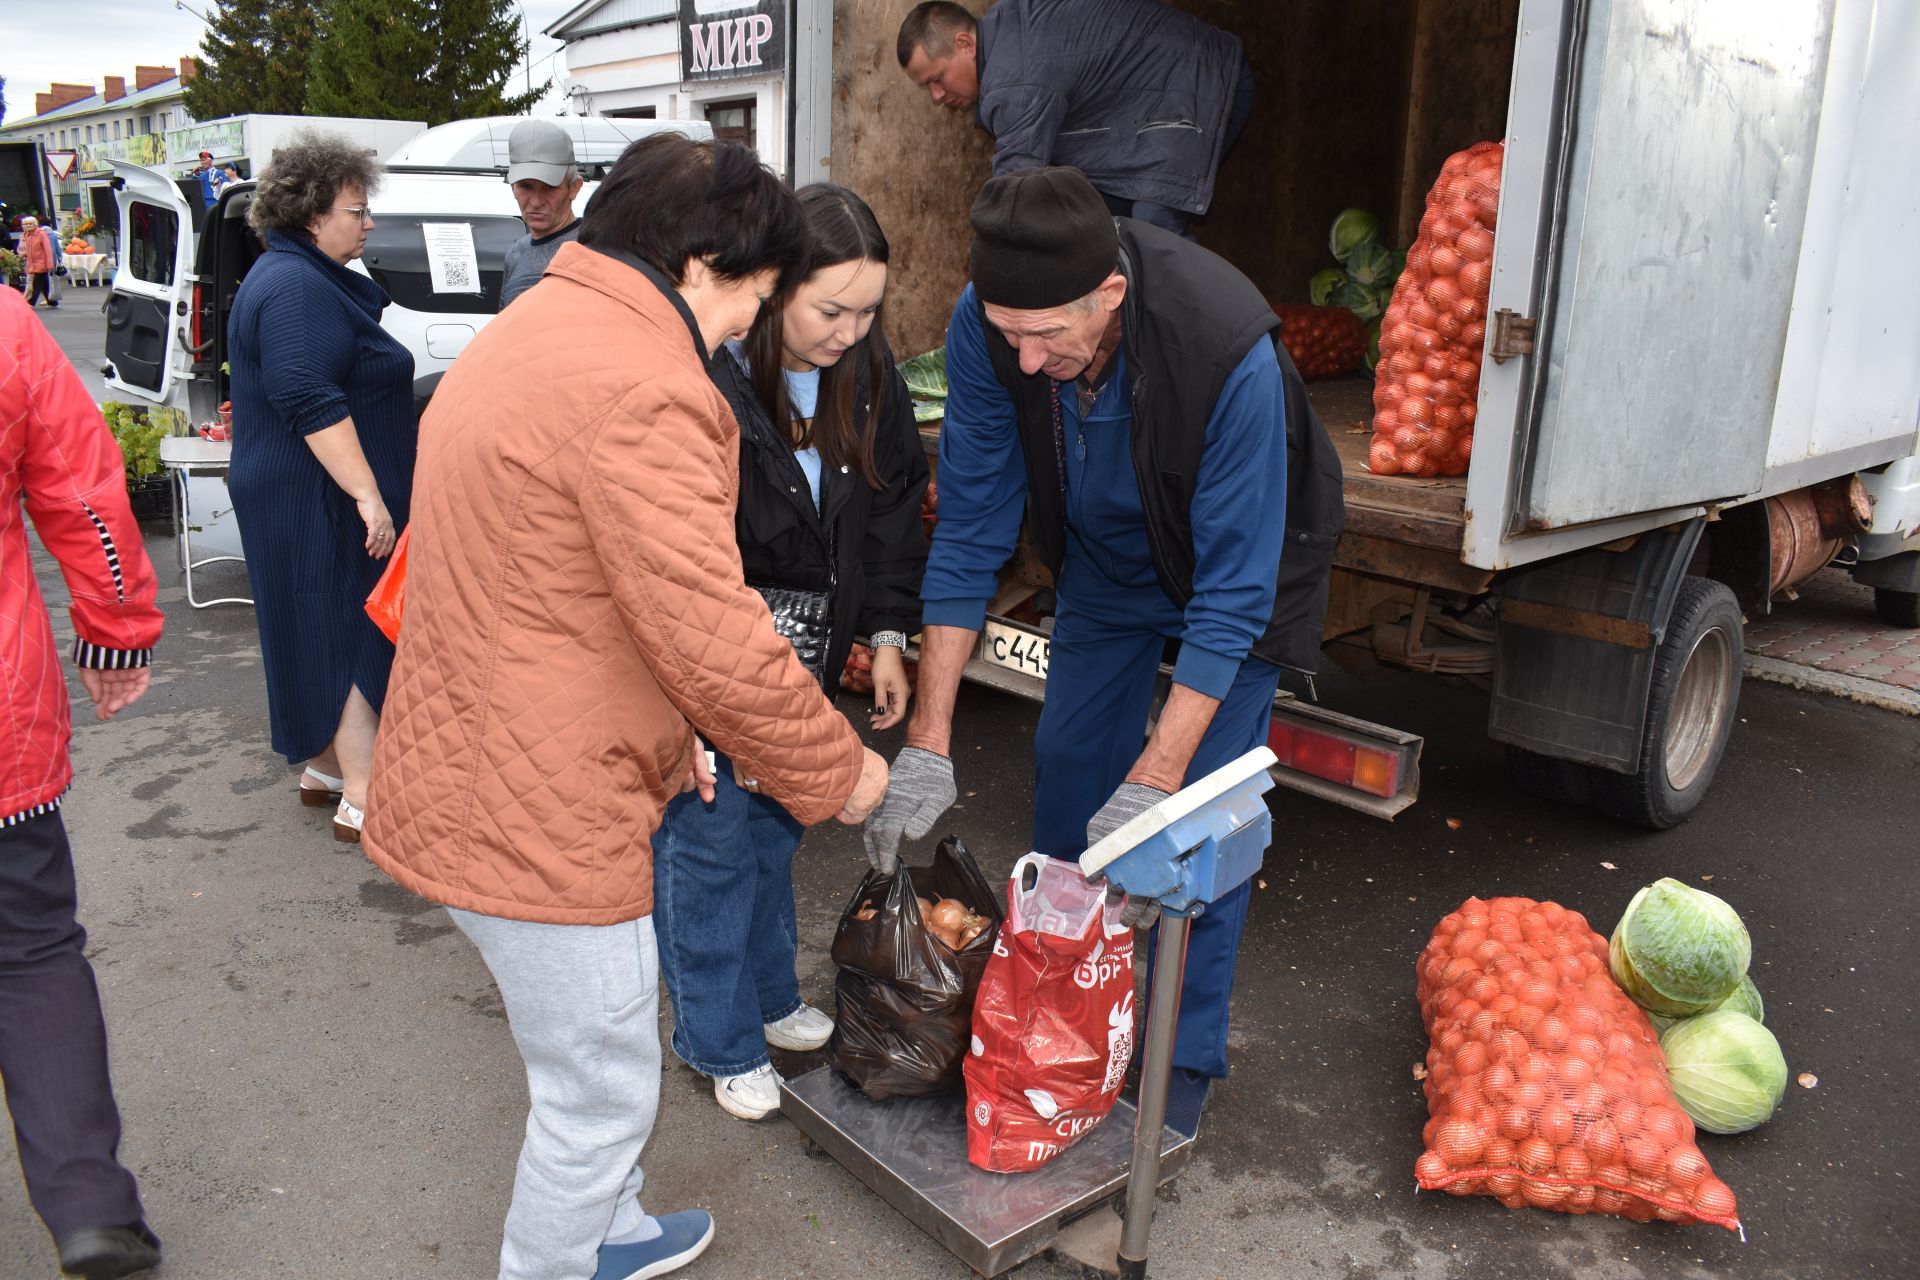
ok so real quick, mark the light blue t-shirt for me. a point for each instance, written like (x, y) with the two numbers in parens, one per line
(803, 397)
(803, 393)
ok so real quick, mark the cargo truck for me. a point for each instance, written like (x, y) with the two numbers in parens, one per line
(1699, 383)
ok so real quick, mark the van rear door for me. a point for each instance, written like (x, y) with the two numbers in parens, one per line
(148, 308)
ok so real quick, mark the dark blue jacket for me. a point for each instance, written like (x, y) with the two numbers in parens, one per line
(1133, 93)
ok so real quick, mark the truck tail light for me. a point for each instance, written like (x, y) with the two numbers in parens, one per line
(199, 321)
(1364, 766)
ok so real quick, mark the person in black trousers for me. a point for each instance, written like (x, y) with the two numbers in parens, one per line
(58, 457)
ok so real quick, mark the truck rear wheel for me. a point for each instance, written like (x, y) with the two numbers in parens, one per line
(1564, 781)
(1690, 712)
(1897, 608)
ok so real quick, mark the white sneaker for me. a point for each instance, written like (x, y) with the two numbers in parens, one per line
(805, 1028)
(753, 1096)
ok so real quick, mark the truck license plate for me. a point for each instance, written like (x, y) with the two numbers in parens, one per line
(1015, 649)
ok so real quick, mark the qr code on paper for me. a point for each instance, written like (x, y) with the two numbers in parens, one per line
(459, 276)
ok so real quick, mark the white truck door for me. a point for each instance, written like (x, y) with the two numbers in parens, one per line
(1656, 188)
(152, 292)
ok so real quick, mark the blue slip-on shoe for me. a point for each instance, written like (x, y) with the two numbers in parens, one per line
(683, 1237)
(1186, 1099)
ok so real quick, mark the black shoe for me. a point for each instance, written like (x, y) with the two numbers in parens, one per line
(104, 1253)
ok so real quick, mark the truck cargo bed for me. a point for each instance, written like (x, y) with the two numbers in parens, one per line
(1403, 509)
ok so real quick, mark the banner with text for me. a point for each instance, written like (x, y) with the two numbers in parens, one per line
(728, 39)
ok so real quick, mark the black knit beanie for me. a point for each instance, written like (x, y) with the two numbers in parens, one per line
(1041, 238)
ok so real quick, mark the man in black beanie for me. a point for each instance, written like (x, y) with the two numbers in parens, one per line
(1124, 389)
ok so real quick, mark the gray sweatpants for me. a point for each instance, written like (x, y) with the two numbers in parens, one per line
(584, 1005)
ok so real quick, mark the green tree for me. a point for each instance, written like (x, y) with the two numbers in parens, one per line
(432, 60)
(253, 58)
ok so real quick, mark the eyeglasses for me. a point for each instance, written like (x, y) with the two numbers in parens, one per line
(363, 213)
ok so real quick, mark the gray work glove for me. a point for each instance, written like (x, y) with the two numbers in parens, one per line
(919, 789)
(1130, 801)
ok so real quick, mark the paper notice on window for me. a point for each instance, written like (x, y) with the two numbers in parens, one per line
(451, 261)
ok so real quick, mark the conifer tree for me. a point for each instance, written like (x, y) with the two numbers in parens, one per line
(431, 60)
(253, 58)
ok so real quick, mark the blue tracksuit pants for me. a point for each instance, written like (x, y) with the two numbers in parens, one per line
(1100, 682)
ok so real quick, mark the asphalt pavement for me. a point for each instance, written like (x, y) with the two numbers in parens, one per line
(318, 1082)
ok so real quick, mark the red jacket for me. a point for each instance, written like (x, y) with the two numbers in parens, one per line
(36, 252)
(57, 454)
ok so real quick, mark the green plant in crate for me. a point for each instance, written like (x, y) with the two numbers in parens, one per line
(139, 437)
(11, 269)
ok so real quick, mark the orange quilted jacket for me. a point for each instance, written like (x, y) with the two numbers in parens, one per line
(575, 612)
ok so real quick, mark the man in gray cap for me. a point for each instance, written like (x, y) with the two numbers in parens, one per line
(1124, 390)
(545, 182)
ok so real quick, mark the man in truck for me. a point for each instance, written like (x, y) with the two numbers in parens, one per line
(1140, 97)
(1123, 389)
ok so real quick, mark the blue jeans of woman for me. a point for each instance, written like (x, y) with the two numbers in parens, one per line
(723, 911)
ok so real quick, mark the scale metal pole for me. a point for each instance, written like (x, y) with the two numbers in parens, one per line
(1163, 1012)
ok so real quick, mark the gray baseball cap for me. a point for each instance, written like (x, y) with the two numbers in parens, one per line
(541, 150)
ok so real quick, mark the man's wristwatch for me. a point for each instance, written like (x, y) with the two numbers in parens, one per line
(889, 639)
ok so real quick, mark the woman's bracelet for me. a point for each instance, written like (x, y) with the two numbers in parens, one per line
(890, 639)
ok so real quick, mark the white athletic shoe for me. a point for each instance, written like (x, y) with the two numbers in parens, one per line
(803, 1029)
(753, 1096)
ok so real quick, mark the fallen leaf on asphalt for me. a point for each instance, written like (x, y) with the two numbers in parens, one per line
(1807, 1079)
(1263, 884)
(198, 892)
(1609, 866)
(1706, 877)
(1454, 824)
(1419, 1071)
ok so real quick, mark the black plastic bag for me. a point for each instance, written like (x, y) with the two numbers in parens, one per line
(905, 1017)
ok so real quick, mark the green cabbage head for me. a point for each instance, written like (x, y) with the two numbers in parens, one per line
(1353, 228)
(1371, 264)
(1320, 288)
(1678, 950)
(1727, 1070)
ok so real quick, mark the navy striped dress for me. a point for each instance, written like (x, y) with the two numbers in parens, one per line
(305, 349)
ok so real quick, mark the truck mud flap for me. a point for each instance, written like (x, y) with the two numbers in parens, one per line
(1575, 645)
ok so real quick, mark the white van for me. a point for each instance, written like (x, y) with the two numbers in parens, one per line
(180, 265)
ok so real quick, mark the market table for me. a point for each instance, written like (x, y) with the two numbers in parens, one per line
(88, 265)
(182, 456)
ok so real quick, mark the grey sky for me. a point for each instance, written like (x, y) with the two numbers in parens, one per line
(45, 42)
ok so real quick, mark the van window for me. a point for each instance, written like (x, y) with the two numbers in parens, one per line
(396, 257)
(152, 241)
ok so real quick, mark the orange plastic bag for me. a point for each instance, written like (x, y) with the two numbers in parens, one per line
(1427, 385)
(389, 598)
(1545, 1083)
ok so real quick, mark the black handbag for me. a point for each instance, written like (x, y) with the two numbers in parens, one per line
(805, 619)
(804, 616)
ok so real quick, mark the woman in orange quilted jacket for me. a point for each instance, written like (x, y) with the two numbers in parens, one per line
(575, 612)
(58, 459)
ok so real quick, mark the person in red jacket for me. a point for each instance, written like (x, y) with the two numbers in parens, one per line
(58, 459)
(37, 260)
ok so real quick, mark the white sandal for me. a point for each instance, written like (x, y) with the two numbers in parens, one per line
(327, 792)
(347, 822)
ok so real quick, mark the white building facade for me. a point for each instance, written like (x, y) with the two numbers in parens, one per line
(728, 62)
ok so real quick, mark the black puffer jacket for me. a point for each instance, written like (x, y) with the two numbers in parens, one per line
(879, 540)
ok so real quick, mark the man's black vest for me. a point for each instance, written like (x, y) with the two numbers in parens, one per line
(1188, 320)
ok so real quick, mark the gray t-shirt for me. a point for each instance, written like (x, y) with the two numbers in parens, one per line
(527, 260)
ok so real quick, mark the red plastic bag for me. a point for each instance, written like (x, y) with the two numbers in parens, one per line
(389, 596)
(1427, 385)
(1545, 1082)
(1053, 1021)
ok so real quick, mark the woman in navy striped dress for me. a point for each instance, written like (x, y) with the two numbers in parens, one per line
(323, 447)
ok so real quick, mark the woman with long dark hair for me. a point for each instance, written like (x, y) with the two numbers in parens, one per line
(832, 474)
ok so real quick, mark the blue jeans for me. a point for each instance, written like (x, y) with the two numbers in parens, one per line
(1092, 725)
(723, 914)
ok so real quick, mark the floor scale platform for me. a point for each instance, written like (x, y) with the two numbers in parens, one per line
(913, 1152)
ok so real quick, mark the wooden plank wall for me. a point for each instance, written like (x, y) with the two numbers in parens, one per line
(919, 167)
(1357, 103)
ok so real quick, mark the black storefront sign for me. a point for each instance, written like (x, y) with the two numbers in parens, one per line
(727, 39)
